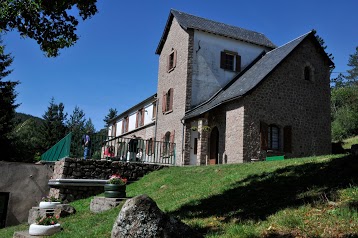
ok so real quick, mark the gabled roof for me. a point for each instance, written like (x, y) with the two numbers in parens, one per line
(187, 21)
(251, 76)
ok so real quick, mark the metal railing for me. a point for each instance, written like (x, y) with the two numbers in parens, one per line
(116, 149)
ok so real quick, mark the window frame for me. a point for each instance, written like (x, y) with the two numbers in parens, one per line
(167, 101)
(235, 66)
(171, 60)
(139, 118)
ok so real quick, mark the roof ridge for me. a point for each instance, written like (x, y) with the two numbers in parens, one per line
(180, 12)
(301, 36)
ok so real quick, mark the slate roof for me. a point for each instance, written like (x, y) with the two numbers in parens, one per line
(249, 78)
(187, 21)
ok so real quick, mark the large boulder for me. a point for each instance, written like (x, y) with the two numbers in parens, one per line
(141, 217)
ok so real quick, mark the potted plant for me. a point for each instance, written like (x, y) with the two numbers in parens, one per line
(115, 187)
(45, 226)
(206, 128)
(194, 128)
(49, 202)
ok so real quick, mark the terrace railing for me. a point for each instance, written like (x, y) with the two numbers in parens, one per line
(113, 148)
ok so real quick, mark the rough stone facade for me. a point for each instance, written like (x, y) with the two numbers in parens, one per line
(285, 98)
(94, 169)
(177, 39)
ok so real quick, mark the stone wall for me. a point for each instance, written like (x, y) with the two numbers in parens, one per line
(286, 98)
(177, 39)
(94, 169)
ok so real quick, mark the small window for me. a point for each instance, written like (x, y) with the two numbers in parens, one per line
(195, 146)
(140, 118)
(167, 103)
(274, 137)
(154, 114)
(172, 60)
(125, 123)
(230, 61)
(308, 73)
(113, 131)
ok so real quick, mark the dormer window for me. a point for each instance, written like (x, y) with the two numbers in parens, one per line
(230, 61)
(172, 60)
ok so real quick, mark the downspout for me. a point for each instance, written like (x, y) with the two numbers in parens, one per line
(156, 119)
(182, 142)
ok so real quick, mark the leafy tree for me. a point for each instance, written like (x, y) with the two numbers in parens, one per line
(7, 106)
(51, 23)
(111, 114)
(54, 128)
(353, 63)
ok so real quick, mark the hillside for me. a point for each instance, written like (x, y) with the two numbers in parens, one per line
(306, 197)
(22, 117)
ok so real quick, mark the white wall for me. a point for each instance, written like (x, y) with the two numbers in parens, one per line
(208, 77)
(148, 114)
(119, 128)
(132, 121)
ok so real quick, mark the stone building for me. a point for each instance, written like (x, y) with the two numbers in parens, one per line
(229, 95)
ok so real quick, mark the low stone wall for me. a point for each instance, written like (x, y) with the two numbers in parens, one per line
(94, 169)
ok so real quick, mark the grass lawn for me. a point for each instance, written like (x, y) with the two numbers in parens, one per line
(347, 143)
(306, 197)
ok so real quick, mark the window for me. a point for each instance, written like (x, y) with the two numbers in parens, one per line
(168, 143)
(150, 146)
(167, 103)
(195, 146)
(273, 137)
(307, 73)
(172, 60)
(125, 124)
(140, 118)
(230, 61)
(154, 114)
(113, 131)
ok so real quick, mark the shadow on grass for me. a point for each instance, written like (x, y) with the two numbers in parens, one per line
(259, 196)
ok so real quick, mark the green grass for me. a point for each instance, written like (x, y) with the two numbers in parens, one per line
(347, 143)
(306, 197)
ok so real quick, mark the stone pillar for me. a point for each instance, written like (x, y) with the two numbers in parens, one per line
(187, 142)
(203, 140)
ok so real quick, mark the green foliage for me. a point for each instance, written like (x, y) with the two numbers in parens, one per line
(7, 108)
(353, 63)
(89, 127)
(111, 114)
(53, 128)
(344, 111)
(52, 24)
(28, 140)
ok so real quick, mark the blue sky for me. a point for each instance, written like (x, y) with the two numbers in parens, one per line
(114, 65)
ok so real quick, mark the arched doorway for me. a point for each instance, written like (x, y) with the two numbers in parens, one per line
(214, 146)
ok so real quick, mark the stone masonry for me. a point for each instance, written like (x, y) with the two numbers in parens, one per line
(94, 169)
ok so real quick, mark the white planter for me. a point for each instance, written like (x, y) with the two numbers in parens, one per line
(47, 205)
(41, 230)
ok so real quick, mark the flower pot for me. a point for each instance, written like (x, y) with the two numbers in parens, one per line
(42, 230)
(114, 191)
(49, 205)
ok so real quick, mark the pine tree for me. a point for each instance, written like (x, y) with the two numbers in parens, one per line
(353, 63)
(53, 129)
(111, 114)
(8, 106)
